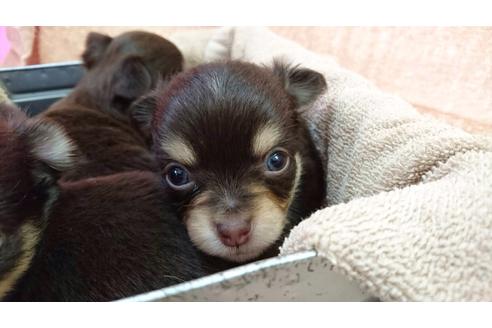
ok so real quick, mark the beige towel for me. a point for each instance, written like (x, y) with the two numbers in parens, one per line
(409, 213)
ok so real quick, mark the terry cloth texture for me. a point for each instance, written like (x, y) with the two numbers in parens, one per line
(409, 199)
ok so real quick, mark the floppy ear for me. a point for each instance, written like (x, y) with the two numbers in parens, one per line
(51, 149)
(130, 81)
(303, 84)
(95, 46)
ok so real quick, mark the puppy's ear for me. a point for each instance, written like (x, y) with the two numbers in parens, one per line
(130, 81)
(303, 84)
(53, 152)
(95, 46)
(141, 114)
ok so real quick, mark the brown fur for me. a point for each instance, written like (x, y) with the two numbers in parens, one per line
(96, 239)
(95, 115)
(108, 238)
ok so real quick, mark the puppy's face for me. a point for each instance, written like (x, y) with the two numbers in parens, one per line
(227, 139)
(30, 154)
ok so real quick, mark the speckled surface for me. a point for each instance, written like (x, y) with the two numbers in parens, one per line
(298, 277)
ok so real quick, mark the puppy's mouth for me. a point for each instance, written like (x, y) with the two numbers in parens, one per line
(232, 251)
(240, 256)
(262, 235)
(244, 252)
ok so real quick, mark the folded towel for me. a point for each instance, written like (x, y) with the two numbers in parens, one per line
(409, 199)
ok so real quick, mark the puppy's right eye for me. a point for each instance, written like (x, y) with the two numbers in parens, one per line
(178, 177)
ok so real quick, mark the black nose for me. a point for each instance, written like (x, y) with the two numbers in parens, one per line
(234, 233)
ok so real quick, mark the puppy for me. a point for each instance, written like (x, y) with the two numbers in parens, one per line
(95, 115)
(236, 155)
(97, 239)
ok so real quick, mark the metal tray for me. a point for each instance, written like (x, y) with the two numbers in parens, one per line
(34, 88)
(298, 277)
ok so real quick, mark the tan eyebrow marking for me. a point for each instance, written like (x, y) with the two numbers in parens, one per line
(179, 150)
(265, 139)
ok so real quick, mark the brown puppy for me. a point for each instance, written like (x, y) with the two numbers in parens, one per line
(97, 239)
(95, 115)
(237, 155)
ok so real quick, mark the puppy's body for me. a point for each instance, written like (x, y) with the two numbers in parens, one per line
(108, 238)
(108, 145)
(95, 115)
(236, 154)
(97, 239)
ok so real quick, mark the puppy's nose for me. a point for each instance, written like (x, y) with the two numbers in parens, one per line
(234, 234)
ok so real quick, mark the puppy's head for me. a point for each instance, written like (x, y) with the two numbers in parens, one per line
(227, 138)
(123, 68)
(32, 154)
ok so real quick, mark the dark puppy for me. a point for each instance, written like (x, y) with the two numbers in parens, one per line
(95, 115)
(236, 154)
(93, 240)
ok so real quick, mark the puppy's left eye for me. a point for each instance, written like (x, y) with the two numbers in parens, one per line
(277, 161)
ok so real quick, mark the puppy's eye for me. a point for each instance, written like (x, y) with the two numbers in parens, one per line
(178, 177)
(277, 161)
